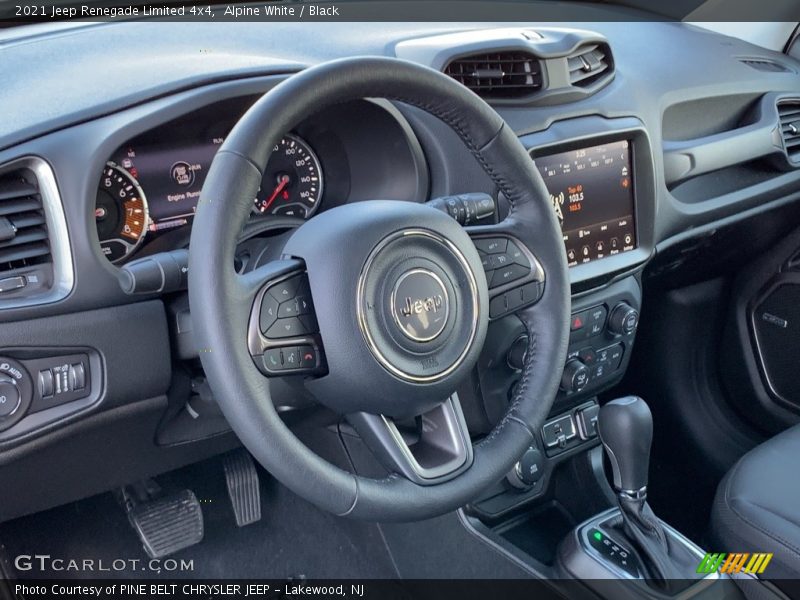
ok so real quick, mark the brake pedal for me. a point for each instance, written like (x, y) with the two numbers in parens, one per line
(243, 487)
(165, 525)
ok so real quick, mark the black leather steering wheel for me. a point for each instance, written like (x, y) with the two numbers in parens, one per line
(401, 300)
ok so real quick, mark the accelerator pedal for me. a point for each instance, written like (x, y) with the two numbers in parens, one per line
(243, 487)
(165, 524)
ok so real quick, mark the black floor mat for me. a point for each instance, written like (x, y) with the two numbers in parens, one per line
(293, 539)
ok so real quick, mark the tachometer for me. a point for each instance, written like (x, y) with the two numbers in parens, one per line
(292, 183)
(120, 213)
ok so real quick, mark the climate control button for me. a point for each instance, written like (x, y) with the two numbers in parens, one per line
(575, 377)
(624, 319)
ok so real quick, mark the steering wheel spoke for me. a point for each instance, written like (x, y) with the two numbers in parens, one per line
(427, 449)
(514, 275)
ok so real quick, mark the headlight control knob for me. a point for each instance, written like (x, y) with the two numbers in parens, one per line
(623, 320)
(9, 396)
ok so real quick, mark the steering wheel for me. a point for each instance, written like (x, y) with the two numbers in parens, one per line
(388, 305)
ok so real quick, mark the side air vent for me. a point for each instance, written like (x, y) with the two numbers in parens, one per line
(762, 64)
(35, 258)
(498, 75)
(23, 227)
(789, 112)
(589, 64)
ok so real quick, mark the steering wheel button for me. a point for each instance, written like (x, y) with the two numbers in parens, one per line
(272, 360)
(309, 323)
(517, 255)
(491, 245)
(497, 306)
(284, 328)
(289, 308)
(308, 357)
(285, 290)
(269, 312)
(508, 274)
(531, 292)
(514, 299)
(303, 305)
(291, 358)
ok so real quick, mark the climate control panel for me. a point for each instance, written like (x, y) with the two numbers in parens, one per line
(600, 338)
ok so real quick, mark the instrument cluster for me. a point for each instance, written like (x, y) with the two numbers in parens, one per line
(149, 188)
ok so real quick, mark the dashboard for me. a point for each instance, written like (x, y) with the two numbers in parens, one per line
(632, 165)
(150, 185)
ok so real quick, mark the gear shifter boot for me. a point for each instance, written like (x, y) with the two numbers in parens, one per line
(626, 430)
(671, 565)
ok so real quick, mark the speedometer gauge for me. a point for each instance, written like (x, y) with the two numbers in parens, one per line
(292, 182)
(120, 213)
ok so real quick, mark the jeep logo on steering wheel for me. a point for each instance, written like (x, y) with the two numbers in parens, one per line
(420, 305)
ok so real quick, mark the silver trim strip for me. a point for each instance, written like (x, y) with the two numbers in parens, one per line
(455, 434)
(57, 233)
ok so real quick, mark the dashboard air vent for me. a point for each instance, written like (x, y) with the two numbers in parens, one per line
(789, 112)
(498, 75)
(23, 227)
(35, 256)
(590, 64)
(762, 64)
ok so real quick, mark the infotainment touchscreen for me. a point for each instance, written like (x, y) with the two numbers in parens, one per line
(592, 193)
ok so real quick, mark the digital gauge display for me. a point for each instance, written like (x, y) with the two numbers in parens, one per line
(592, 194)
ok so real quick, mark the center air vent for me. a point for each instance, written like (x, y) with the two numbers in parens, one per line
(498, 75)
(789, 112)
(35, 258)
(590, 64)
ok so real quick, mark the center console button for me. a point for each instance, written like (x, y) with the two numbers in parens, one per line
(558, 432)
(530, 468)
(588, 356)
(587, 421)
(575, 376)
(624, 319)
(615, 354)
(596, 320)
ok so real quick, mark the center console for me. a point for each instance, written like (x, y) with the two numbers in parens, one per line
(599, 186)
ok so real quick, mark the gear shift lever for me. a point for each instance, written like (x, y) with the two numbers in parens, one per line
(625, 426)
